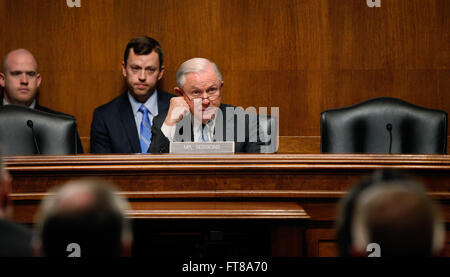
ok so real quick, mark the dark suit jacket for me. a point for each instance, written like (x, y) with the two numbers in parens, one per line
(160, 143)
(15, 240)
(113, 128)
(45, 109)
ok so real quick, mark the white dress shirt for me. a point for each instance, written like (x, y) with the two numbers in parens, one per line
(201, 134)
(32, 105)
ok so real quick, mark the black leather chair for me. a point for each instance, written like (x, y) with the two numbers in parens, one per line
(384, 125)
(53, 134)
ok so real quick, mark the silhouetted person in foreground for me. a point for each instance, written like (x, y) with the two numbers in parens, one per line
(15, 239)
(401, 219)
(403, 196)
(84, 218)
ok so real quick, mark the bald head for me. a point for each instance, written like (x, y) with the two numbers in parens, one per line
(19, 56)
(20, 77)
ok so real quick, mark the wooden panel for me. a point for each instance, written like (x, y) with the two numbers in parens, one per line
(292, 198)
(303, 56)
(144, 209)
(287, 241)
(321, 242)
(288, 144)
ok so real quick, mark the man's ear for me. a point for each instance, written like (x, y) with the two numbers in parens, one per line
(178, 91)
(357, 253)
(124, 69)
(36, 247)
(2, 79)
(442, 252)
(126, 249)
(39, 79)
(161, 72)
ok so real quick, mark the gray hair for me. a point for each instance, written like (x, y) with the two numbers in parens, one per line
(194, 65)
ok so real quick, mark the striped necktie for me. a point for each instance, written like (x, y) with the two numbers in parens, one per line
(205, 133)
(146, 130)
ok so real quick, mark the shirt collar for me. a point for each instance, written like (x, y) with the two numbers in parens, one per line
(151, 103)
(32, 105)
(210, 126)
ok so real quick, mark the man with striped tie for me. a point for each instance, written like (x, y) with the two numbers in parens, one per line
(124, 124)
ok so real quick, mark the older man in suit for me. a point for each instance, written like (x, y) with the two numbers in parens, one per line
(198, 115)
(123, 125)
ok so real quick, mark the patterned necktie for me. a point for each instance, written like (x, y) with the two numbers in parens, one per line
(205, 133)
(146, 130)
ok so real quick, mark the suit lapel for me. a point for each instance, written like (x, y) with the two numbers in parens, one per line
(163, 101)
(128, 123)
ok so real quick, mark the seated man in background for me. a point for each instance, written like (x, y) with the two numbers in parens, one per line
(399, 218)
(15, 239)
(84, 218)
(198, 115)
(123, 125)
(21, 79)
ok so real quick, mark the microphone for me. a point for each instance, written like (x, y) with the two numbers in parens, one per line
(389, 128)
(30, 124)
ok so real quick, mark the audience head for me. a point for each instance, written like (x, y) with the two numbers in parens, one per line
(85, 212)
(20, 77)
(349, 208)
(400, 218)
(143, 67)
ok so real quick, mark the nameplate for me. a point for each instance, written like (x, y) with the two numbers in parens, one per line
(222, 147)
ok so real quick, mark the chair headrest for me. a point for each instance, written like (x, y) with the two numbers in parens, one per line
(55, 133)
(368, 126)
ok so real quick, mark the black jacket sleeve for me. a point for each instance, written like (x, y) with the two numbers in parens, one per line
(100, 140)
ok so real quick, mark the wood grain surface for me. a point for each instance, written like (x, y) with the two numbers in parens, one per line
(303, 56)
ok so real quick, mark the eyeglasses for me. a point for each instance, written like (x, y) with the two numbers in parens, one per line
(211, 94)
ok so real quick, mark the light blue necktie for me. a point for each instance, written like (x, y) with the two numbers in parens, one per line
(146, 130)
(205, 133)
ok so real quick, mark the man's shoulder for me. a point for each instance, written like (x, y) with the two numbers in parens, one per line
(14, 228)
(48, 110)
(164, 95)
(112, 105)
(159, 119)
(17, 239)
